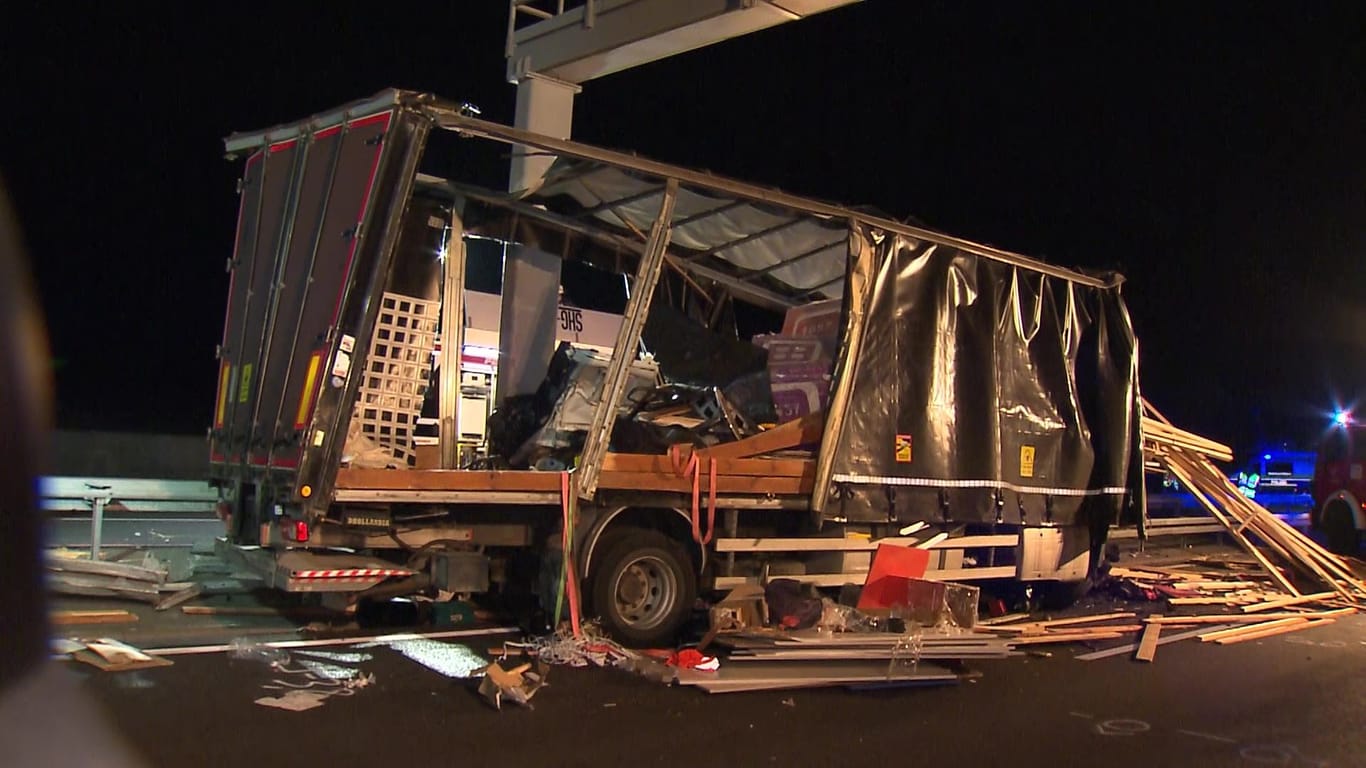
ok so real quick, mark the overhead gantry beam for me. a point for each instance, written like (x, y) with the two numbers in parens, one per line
(563, 47)
(601, 37)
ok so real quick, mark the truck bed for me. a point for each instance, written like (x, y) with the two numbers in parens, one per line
(621, 471)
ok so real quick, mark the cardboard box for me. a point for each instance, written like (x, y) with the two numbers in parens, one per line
(428, 457)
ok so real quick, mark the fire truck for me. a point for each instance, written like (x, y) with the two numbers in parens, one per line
(1339, 487)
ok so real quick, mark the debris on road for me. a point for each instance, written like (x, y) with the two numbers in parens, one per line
(1188, 457)
(450, 659)
(109, 655)
(97, 578)
(66, 618)
(517, 684)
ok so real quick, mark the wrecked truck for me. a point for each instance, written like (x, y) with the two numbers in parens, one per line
(786, 386)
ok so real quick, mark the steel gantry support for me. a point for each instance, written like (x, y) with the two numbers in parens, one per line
(563, 47)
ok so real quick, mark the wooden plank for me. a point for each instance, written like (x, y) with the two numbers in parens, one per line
(1296, 627)
(729, 484)
(1286, 602)
(1236, 618)
(1185, 477)
(1069, 637)
(1147, 644)
(95, 660)
(67, 618)
(638, 462)
(1008, 618)
(1208, 637)
(1130, 647)
(1039, 626)
(229, 610)
(1230, 600)
(808, 429)
(1216, 586)
(446, 480)
(179, 596)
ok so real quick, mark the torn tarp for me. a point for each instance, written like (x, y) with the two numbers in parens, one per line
(986, 392)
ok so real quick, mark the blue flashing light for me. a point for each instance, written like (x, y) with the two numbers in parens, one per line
(1266, 457)
(1342, 418)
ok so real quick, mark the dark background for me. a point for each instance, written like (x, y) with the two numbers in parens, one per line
(1216, 154)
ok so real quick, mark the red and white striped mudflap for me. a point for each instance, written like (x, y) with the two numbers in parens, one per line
(350, 573)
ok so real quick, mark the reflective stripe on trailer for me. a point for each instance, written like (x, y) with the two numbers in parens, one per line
(350, 573)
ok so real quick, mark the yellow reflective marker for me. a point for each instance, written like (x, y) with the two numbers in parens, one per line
(310, 386)
(224, 384)
(244, 386)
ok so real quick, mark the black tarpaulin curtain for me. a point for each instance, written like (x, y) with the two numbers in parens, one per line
(985, 391)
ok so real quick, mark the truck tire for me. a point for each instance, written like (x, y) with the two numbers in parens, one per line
(1339, 528)
(642, 587)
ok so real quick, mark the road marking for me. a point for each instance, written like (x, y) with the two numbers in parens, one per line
(1122, 727)
(1209, 736)
(1081, 714)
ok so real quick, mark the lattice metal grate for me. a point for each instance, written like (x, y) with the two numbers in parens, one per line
(397, 373)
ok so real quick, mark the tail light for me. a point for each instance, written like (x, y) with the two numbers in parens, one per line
(298, 530)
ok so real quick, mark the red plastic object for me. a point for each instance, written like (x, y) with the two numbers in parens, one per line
(886, 582)
(301, 530)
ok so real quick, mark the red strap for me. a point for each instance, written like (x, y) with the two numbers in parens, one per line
(571, 577)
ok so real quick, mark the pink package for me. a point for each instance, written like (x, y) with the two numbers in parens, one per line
(796, 372)
(792, 400)
(788, 350)
(820, 319)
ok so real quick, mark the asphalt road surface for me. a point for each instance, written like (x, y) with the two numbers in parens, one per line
(1294, 700)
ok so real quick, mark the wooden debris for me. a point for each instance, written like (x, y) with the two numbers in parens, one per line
(1288, 601)
(1235, 618)
(1008, 618)
(1071, 637)
(67, 618)
(1188, 456)
(1129, 647)
(178, 597)
(1147, 644)
(1270, 631)
(1038, 627)
(114, 656)
(1209, 637)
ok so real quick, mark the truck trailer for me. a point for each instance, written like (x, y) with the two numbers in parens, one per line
(787, 385)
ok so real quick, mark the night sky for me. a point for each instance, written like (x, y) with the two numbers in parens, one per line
(1216, 155)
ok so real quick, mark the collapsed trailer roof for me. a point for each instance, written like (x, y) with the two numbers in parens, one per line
(762, 244)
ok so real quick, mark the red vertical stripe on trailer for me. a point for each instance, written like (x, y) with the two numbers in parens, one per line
(380, 119)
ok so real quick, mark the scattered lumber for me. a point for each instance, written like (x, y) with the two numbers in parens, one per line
(1072, 637)
(68, 618)
(1263, 535)
(1234, 618)
(179, 596)
(1270, 631)
(114, 656)
(1286, 602)
(1038, 626)
(1147, 644)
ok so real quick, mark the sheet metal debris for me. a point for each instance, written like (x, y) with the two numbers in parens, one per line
(450, 659)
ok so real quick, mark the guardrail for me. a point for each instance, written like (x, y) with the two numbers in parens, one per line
(186, 507)
(1171, 526)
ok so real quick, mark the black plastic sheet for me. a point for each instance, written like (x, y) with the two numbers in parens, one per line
(984, 392)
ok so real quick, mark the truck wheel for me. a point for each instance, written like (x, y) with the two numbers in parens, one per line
(643, 587)
(1339, 529)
